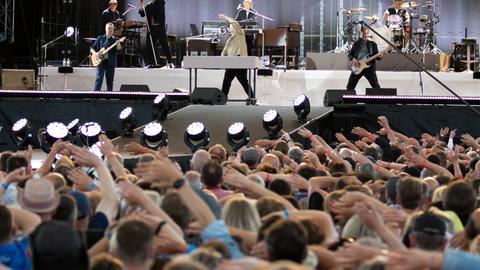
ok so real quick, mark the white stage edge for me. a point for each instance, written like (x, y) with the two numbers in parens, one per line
(279, 89)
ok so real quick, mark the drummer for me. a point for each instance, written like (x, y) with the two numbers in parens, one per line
(398, 19)
(112, 15)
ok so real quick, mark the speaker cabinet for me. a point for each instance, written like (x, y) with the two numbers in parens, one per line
(211, 96)
(333, 97)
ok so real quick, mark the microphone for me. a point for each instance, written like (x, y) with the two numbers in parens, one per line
(239, 7)
(130, 5)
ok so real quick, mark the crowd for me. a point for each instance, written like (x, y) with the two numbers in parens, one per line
(382, 201)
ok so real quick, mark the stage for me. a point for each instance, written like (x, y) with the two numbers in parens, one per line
(277, 90)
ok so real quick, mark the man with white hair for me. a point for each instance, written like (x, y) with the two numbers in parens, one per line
(199, 159)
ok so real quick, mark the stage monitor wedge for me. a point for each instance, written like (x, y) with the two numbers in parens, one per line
(134, 88)
(335, 96)
(381, 91)
(208, 96)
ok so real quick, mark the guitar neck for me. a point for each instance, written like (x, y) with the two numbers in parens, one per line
(375, 56)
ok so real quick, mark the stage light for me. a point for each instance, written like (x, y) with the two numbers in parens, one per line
(22, 134)
(162, 106)
(272, 123)
(69, 31)
(237, 136)
(73, 126)
(301, 106)
(89, 134)
(48, 136)
(196, 136)
(128, 120)
(153, 136)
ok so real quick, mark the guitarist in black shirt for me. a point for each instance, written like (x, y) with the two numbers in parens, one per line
(361, 50)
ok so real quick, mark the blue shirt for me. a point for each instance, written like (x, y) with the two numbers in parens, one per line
(217, 230)
(14, 254)
(459, 260)
(104, 42)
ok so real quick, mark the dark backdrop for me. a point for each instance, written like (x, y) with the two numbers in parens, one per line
(318, 17)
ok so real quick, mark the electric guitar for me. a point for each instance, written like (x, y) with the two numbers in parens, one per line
(98, 57)
(358, 67)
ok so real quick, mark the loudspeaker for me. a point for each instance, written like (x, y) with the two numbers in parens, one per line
(476, 75)
(18, 79)
(333, 97)
(381, 91)
(134, 88)
(212, 96)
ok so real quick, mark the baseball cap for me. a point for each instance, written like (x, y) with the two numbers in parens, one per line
(429, 223)
(112, 2)
(83, 204)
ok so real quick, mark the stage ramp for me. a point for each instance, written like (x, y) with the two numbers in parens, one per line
(217, 119)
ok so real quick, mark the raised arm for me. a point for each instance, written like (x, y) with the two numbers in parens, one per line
(109, 202)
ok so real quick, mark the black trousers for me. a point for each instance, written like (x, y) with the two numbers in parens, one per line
(241, 75)
(159, 34)
(369, 73)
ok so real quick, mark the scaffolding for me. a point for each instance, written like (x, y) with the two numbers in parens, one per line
(7, 21)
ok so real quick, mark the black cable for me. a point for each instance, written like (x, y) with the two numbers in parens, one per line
(421, 68)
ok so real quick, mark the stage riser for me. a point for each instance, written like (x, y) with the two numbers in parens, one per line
(277, 90)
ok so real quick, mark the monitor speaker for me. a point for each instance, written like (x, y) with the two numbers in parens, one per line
(333, 97)
(211, 96)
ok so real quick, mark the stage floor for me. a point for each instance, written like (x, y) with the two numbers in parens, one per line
(279, 89)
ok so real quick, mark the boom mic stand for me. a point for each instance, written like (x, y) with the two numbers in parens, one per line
(150, 35)
(263, 24)
(421, 68)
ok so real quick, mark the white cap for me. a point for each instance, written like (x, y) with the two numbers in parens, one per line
(112, 2)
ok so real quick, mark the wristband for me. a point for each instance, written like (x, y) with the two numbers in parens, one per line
(4, 186)
(110, 155)
(179, 183)
(160, 226)
(286, 214)
(92, 186)
(191, 248)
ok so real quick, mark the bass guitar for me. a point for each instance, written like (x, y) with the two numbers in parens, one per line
(98, 57)
(358, 67)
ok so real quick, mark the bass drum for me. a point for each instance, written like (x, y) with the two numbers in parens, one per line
(385, 32)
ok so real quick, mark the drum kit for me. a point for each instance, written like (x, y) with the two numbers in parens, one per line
(420, 37)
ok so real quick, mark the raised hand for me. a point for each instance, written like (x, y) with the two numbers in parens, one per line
(444, 131)
(131, 192)
(163, 172)
(19, 175)
(85, 157)
(469, 140)
(135, 148)
(235, 179)
(106, 146)
(80, 179)
(340, 137)
(305, 133)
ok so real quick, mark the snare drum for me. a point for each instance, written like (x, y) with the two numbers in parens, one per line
(395, 22)
(385, 32)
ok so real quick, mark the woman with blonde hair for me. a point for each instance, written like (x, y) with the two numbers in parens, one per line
(241, 214)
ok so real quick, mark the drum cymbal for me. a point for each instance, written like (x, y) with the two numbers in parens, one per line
(133, 24)
(373, 18)
(358, 9)
(410, 5)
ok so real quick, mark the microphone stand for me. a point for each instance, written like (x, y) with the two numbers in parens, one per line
(150, 34)
(45, 47)
(421, 68)
(263, 25)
